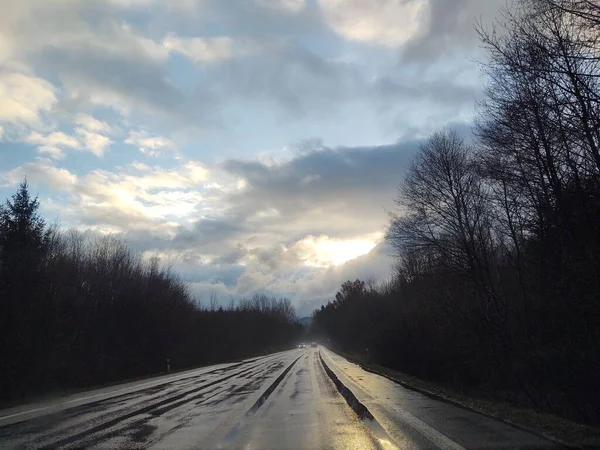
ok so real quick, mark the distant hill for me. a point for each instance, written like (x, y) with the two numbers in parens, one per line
(306, 321)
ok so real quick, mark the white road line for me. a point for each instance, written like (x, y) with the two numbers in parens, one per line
(137, 387)
(440, 440)
(24, 412)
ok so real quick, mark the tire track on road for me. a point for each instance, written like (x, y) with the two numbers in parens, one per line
(237, 428)
(155, 409)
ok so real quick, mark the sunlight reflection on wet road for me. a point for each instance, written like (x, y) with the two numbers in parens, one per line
(288, 400)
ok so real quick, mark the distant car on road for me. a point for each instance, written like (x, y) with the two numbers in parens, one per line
(301, 345)
(313, 345)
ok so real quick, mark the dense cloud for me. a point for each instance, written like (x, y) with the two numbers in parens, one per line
(226, 137)
(449, 27)
(340, 192)
(267, 236)
(102, 61)
(308, 287)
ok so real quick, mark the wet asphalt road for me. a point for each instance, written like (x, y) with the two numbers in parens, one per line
(281, 401)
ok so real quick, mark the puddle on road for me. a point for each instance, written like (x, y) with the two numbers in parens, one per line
(142, 431)
(380, 435)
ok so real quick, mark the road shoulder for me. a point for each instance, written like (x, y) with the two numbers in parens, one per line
(557, 429)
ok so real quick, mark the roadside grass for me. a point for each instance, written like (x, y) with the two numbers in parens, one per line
(557, 428)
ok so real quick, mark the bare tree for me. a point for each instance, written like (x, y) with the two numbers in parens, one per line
(214, 301)
(443, 208)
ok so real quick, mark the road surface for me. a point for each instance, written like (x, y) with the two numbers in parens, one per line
(299, 399)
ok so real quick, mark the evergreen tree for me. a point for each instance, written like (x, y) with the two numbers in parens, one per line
(23, 330)
(21, 227)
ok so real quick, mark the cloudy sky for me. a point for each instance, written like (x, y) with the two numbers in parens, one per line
(253, 144)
